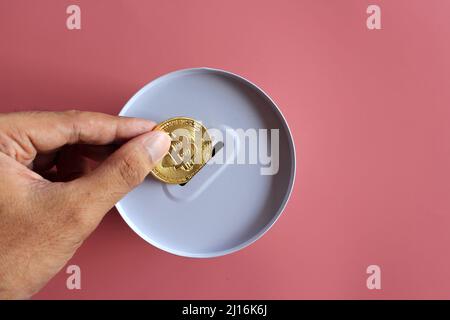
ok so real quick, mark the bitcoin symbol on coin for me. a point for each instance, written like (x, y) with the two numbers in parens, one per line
(190, 149)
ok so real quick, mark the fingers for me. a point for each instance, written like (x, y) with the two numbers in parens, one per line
(121, 172)
(27, 133)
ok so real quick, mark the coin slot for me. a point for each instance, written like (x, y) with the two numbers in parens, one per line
(217, 147)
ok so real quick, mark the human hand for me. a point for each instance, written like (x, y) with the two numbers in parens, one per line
(44, 220)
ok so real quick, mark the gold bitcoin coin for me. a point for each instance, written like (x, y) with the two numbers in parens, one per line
(190, 149)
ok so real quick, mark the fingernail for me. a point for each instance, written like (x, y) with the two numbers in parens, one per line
(157, 145)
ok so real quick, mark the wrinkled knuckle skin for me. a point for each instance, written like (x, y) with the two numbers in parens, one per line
(129, 171)
(6, 146)
(16, 145)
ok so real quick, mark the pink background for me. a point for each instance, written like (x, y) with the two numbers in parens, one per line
(369, 111)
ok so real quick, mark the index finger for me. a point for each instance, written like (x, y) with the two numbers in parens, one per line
(47, 131)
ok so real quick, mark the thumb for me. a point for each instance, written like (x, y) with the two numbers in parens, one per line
(125, 169)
